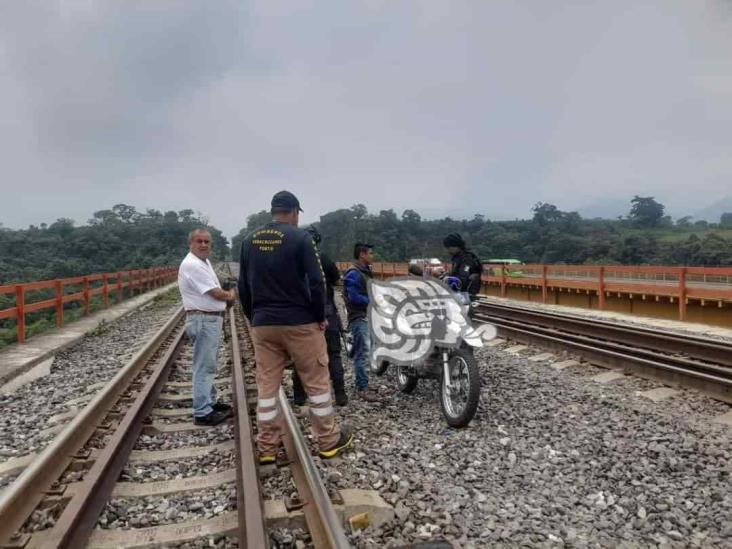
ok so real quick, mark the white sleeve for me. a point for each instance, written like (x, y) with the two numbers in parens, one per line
(201, 279)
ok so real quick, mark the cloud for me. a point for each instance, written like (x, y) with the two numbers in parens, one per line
(444, 108)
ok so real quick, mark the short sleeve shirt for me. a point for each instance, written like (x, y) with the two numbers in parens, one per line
(195, 278)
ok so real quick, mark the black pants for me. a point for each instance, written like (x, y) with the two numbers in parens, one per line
(335, 366)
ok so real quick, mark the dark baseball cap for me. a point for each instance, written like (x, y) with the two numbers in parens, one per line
(285, 200)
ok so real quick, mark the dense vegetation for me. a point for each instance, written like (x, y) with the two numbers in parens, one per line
(644, 236)
(122, 238)
(114, 240)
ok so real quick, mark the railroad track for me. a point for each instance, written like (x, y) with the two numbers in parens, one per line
(78, 474)
(671, 358)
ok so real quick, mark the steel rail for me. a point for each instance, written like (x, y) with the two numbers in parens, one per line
(252, 525)
(324, 525)
(23, 496)
(713, 380)
(81, 514)
(699, 348)
(644, 352)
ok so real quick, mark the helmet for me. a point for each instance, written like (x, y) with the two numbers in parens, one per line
(453, 239)
(314, 233)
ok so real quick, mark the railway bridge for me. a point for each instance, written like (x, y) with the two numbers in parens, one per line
(593, 428)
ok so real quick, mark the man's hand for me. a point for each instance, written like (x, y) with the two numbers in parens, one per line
(222, 295)
(231, 299)
(323, 325)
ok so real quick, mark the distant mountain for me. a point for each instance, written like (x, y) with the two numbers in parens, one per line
(606, 208)
(713, 212)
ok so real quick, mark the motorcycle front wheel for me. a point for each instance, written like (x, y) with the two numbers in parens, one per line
(460, 400)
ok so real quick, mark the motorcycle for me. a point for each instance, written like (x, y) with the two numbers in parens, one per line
(456, 369)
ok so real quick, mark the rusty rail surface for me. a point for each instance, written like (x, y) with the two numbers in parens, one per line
(324, 525)
(79, 516)
(79, 288)
(252, 526)
(671, 358)
(30, 488)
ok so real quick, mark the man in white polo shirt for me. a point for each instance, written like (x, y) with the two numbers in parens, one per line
(205, 303)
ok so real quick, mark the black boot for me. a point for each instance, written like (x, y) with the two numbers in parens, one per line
(341, 398)
(298, 392)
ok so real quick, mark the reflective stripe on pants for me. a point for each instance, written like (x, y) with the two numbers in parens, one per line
(274, 346)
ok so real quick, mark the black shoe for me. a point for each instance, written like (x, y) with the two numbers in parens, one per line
(214, 418)
(345, 440)
(222, 407)
(341, 398)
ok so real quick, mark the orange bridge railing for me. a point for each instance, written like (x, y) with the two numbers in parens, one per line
(677, 284)
(34, 296)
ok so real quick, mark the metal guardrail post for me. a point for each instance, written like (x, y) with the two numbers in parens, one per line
(20, 309)
(544, 289)
(105, 289)
(59, 303)
(601, 288)
(119, 287)
(682, 294)
(86, 296)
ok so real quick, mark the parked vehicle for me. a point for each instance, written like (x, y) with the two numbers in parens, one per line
(431, 266)
(508, 265)
(456, 370)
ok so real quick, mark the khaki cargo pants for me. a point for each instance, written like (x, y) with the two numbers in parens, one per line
(274, 346)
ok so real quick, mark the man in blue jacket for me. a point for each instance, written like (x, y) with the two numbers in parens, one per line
(355, 294)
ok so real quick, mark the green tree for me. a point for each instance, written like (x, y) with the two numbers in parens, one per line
(725, 219)
(125, 212)
(545, 213)
(359, 211)
(104, 216)
(254, 221)
(646, 211)
(411, 219)
(63, 227)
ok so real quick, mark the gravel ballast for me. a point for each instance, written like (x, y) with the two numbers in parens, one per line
(127, 513)
(550, 459)
(76, 372)
(213, 462)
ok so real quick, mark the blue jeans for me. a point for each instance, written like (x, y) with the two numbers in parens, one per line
(361, 350)
(204, 331)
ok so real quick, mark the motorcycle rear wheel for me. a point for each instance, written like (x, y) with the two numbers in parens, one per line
(460, 402)
(406, 381)
(379, 369)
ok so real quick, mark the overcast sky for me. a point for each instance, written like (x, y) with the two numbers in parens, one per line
(444, 107)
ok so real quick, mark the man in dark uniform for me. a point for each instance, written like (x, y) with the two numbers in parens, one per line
(466, 266)
(282, 292)
(332, 332)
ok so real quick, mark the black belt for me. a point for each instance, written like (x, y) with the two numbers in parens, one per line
(211, 313)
